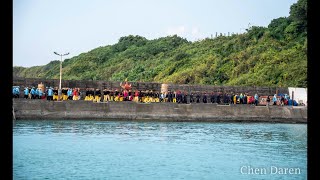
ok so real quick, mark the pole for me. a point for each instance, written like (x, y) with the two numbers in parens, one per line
(59, 90)
(292, 97)
(60, 72)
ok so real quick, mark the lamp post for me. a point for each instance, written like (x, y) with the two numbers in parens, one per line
(59, 90)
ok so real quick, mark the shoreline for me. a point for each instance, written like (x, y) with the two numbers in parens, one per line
(166, 112)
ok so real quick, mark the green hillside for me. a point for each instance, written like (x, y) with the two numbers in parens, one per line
(263, 56)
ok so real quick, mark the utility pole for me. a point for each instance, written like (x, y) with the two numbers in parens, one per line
(59, 90)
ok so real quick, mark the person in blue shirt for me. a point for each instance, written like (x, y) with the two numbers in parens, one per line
(15, 92)
(33, 93)
(256, 99)
(40, 93)
(274, 99)
(50, 94)
(37, 93)
(26, 92)
(241, 98)
(69, 93)
(286, 97)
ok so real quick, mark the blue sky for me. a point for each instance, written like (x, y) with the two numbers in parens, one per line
(41, 27)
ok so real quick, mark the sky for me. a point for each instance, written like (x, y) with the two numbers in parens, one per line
(42, 27)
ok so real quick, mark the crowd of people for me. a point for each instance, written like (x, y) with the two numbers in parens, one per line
(51, 94)
(148, 96)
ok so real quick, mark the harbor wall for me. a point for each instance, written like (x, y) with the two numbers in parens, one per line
(127, 110)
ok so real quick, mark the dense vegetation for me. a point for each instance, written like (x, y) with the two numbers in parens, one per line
(263, 56)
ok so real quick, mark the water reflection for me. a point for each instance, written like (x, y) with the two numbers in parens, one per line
(255, 134)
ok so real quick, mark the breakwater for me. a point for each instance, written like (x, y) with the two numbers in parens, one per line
(202, 112)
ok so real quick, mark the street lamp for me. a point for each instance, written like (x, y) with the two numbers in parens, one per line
(59, 91)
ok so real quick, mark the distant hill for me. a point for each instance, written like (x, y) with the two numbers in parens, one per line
(263, 56)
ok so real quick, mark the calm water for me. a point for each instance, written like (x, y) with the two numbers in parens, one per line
(158, 150)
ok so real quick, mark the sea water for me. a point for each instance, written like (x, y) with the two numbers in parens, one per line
(87, 149)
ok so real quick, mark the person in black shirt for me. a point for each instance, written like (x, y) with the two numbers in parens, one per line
(218, 98)
(225, 98)
(64, 93)
(268, 101)
(179, 96)
(140, 95)
(87, 95)
(229, 98)
(185, 98)
(55, 94)
(191, 98)
(198, 97)
(204, 98)
(116, 95)
(97, 95)
(111, 95)
(104, 95)
(212, 97)
(232, 97)
(170, 98)
(282, 100)
(108, 94)
(130, 97)
(245, 99)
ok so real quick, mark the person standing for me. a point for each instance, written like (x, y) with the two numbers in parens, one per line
(198, 97)
(40, 93)
(111, 95)
(108, 95)
(241, 98)
(75, 94)
(37, 93)
(191, 98)
(26, 92)
(29, 95)
(136, 96)
(104, 95)
(274, 99)
(245, 99)
(50, 94)
(170, 98)
(282, 100)
(64, 92)
(256, 99)
(204, 98)
(33, 93)
(268, 101)
(69, 93)
(212, 97)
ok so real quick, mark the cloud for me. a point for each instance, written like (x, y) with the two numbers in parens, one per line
(192, 34)
(195, 31)
(195, 34)
(180, 31)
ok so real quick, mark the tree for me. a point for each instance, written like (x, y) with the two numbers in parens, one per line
(298, 14)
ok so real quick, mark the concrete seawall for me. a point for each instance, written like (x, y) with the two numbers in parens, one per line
(42, 110)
